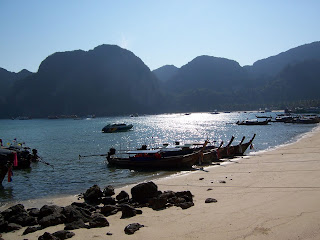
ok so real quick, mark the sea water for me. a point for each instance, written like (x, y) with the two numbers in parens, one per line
(60, 142)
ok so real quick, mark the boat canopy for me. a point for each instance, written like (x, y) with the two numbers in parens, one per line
(143, 151)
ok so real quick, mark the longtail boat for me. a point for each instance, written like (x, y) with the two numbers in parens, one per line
(15, 157)
(253, 122)
(155, 159)
(217, 154)
(224, 151)
(239, 150)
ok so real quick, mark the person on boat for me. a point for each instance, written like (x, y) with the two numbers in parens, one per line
(34, 156)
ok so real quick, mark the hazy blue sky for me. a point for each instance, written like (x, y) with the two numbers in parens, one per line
(159, 32)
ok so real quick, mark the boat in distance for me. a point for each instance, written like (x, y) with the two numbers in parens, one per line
(253, 122)
(116, 127)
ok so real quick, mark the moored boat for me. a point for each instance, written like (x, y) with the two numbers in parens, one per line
(116, 127)
(23, 155)
(216, 154)
(253, 122)
(155, 159)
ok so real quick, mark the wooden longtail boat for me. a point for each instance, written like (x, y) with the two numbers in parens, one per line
(239, 150)
(216, 154)
(154, 159)
(224, 151)
(253, 122)
(211, 155)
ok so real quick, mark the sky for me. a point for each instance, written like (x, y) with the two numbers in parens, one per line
(159, 32)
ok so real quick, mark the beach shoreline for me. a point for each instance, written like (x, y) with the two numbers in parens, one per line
(267, 195)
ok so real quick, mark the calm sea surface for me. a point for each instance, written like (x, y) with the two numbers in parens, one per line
(59, 142)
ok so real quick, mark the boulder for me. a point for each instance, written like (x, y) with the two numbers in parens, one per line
(63, 234)
(186, 205)
(31, 229)
(17, 214)
(52, 220)
(13, 227)
(34, 212)
(93, 195)
(122, 197)
(158, 203)
(98, 220)
(108, 191)
(132, 228)
(47, 236)
(73, 213)
(187, 195)
(108, 201)
(142, 192)
(128, 211)
(47, 210)
(3, 224)
(108, 210)
(13, 211)
(75, 225)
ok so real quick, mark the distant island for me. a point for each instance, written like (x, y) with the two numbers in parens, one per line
(109, 80)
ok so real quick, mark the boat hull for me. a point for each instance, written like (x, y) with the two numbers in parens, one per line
(172, 162)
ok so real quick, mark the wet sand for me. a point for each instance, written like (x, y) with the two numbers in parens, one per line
(270, 195)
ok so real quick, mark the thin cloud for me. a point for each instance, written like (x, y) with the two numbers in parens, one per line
(124, 43)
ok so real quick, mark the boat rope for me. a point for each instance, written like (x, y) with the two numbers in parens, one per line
(92, 155)
(42, 161)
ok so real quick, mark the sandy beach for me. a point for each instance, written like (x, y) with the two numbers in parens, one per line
(270, 195)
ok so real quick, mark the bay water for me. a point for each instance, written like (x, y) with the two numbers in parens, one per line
(60, 142)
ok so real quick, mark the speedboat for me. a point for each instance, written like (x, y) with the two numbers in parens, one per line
(116, 127)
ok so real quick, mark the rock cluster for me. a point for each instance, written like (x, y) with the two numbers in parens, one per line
(98, 204)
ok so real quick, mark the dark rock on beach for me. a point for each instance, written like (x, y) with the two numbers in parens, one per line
(31, 229)
(73, 213)
(142, 192)
(108, 191)
(122, 197)
(129, 211)
(63, 234)
(186, 205)
(75, 225)
(51, 216)
(132, 228)
(17, 214)
(13, 227)
(47, 236)
(34, 212)
(59, 235)
(158, 203)
(84, 205)
(91, 213)
(93, 195)
(210, 200)
(108, 201)
(98, 220)
(108, 210)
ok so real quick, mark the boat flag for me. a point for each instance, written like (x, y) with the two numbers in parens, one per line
(15, 159)
(10, 174)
